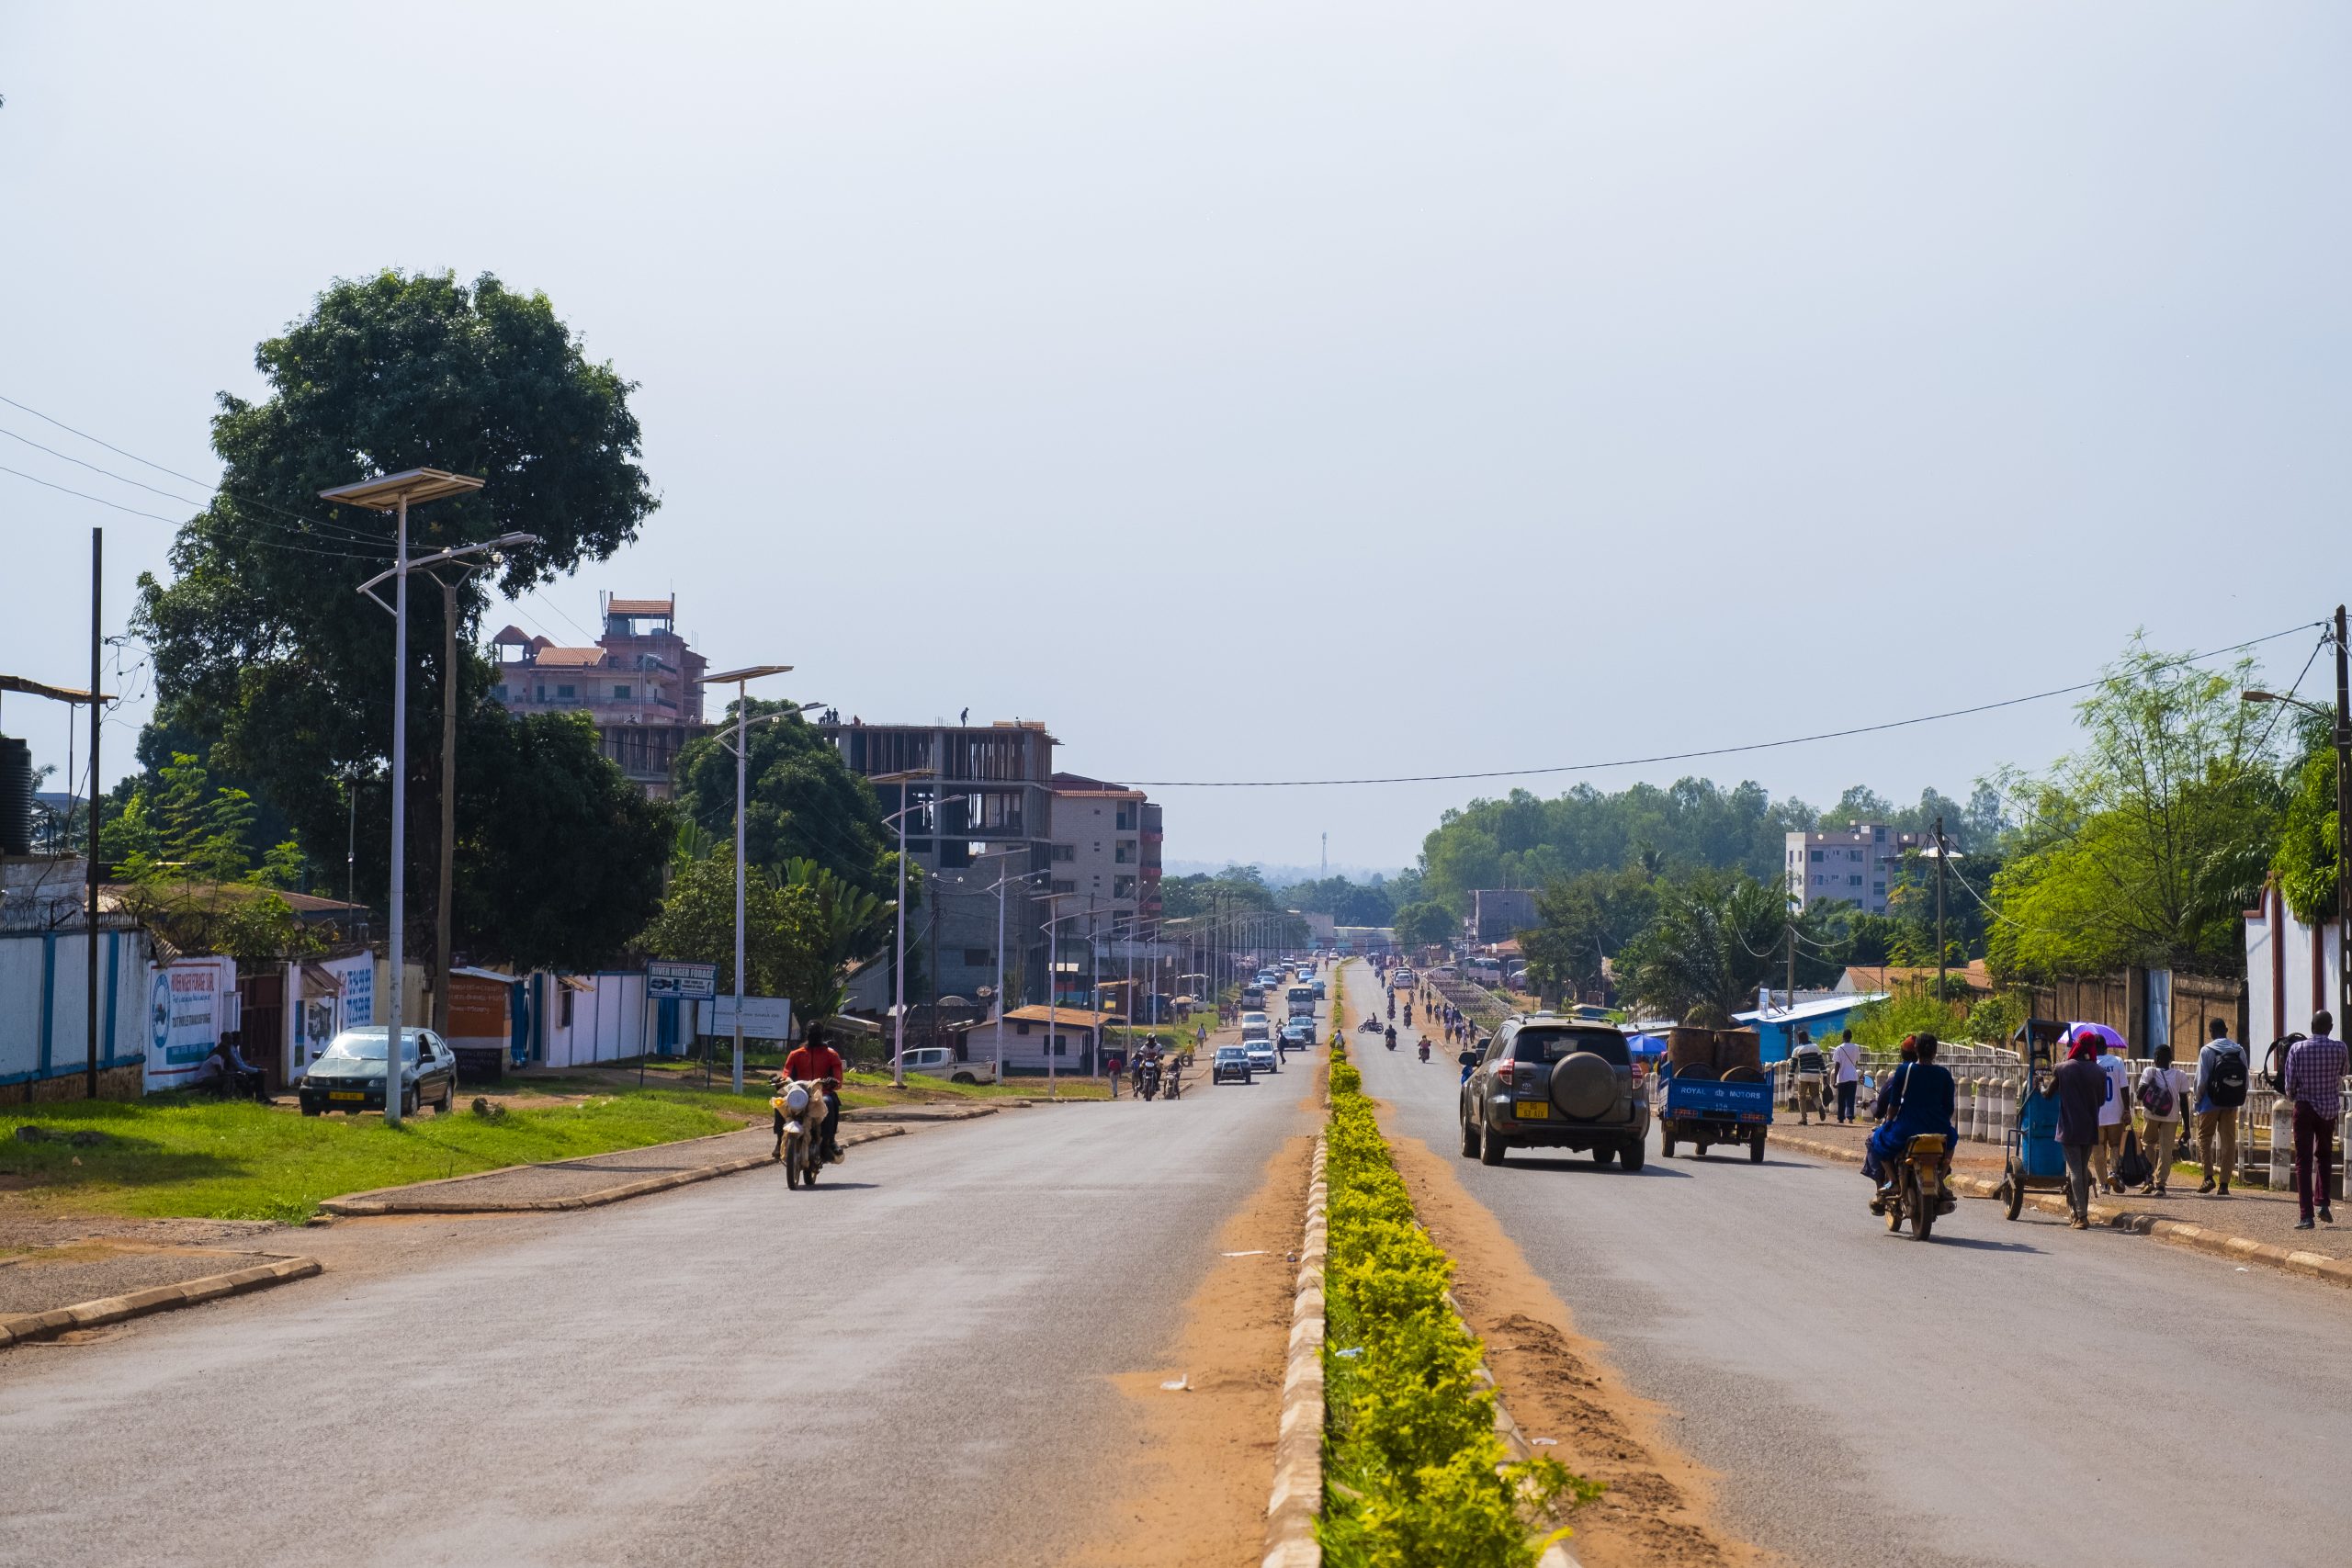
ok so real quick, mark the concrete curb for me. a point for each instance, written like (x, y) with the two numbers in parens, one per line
(1297, 1499)
(30, 1326)
(363, 1205)
(2180, 1233)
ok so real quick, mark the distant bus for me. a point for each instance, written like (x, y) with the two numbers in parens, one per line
(1302, 1001)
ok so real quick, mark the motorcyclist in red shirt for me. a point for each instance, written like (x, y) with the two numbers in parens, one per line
(813, 1061)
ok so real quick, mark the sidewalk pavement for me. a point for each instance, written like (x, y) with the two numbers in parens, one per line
(2251, 1213)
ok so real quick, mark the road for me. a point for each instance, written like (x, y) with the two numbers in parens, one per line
(906, 1364)
(2006, 1394)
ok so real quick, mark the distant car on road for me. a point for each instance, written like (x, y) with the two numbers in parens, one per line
(1401, 979)
(349, 1075)
(1556, 1083)
(1231, 1061)
(1298, 1034)
(1263, 1058)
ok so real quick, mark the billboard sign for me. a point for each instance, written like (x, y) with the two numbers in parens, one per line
(190, 1004)
(764, 1018)
(666, 977)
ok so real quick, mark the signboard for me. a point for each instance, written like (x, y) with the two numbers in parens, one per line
(764, 1018)
(664, 978)
(190, 1004)
(347, 1001)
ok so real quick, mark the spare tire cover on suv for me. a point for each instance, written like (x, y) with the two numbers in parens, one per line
(1584, 1086)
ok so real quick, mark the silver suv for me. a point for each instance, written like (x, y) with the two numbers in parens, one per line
(1546, 1082)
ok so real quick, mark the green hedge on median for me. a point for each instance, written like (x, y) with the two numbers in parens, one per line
(1414, 1475)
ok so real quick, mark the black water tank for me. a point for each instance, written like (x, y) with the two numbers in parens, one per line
(16, 796)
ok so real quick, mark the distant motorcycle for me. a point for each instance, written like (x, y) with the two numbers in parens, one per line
(1147, 1081)
(1425, 1050)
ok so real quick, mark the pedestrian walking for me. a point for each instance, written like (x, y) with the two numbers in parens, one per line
(1847, 1064)
(2220, 1090)
(1812, 1071)
(2164, 1091)
(2081, 1087)
(2114, 1117)
(2315, 1081)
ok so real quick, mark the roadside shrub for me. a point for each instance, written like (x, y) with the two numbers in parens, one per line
(1415, 1477)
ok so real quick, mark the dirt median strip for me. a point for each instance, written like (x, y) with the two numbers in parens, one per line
(2138, 1222)
(108, 1310)
(391, 1201)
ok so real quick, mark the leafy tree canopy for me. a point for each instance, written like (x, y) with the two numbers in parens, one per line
(1717, 939)
(2144, 845)
(802, 800)
(260, 643)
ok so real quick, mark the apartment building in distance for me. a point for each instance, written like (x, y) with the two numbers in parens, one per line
(992, 787)
(1855, 864)
(639, 681)
(1106, 852)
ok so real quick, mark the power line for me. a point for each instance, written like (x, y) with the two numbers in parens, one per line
(344, 532)
(176, 521)
(1710, 751)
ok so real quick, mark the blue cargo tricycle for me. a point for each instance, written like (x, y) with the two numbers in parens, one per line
(1705, 1110)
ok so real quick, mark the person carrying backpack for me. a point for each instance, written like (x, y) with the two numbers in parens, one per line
(2163, 1090)
(2220, 1090)
(1812, 1071)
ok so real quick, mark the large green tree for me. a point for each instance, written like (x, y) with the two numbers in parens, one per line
(1715, 940)
(2144, 845)
(260, 643)
(801, 800)
(1580, 922)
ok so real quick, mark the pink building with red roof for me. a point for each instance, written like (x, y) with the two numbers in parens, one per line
(639, 683)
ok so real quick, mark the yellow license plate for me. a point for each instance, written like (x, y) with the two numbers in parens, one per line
(345, 1094)
(1530, 1108)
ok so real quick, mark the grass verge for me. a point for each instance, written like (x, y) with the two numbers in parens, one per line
(1413, 1469)
(178, 1156)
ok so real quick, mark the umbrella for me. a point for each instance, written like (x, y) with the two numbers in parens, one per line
(2113, 1041)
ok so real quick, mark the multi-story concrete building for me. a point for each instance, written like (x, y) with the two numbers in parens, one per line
(992, 787)
(639, 683)
(1855, 864)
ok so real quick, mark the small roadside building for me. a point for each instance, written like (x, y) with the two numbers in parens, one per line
(1822, 1017)
(1072, 1038)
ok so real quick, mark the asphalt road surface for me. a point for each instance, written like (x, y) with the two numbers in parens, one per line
(2010, 1394)
(906, 1364)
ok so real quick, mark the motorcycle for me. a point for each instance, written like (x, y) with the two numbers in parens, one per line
(1392, 1040)
(1425, 1050)
(1409, 1015)
(1147, 1082)
(1369, 1026)
(1174, 1089)
(1919, 1194)
(799, 1138)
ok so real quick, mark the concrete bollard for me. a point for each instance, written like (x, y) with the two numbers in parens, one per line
(2280, 1175)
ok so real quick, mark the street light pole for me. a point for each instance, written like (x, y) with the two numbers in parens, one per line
(742, 679)
(392, 493)
(2343, 832)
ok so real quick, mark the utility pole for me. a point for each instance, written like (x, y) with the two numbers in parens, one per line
(98, 721)
(448, 799)
(2343, 825)
(1942, 959)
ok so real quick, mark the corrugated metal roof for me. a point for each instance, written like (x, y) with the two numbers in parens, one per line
(1826, 1007)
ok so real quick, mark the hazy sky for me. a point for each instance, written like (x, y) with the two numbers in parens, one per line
(1282, 390)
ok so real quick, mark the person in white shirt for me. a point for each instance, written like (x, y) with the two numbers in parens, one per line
(2163, 1097)
(2114, 1118)
(1845, 1064)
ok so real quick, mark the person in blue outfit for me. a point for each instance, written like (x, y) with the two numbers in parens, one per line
(1920, 1100)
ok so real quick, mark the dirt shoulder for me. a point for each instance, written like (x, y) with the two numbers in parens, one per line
(1200, 1462)
(1658, 1510)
